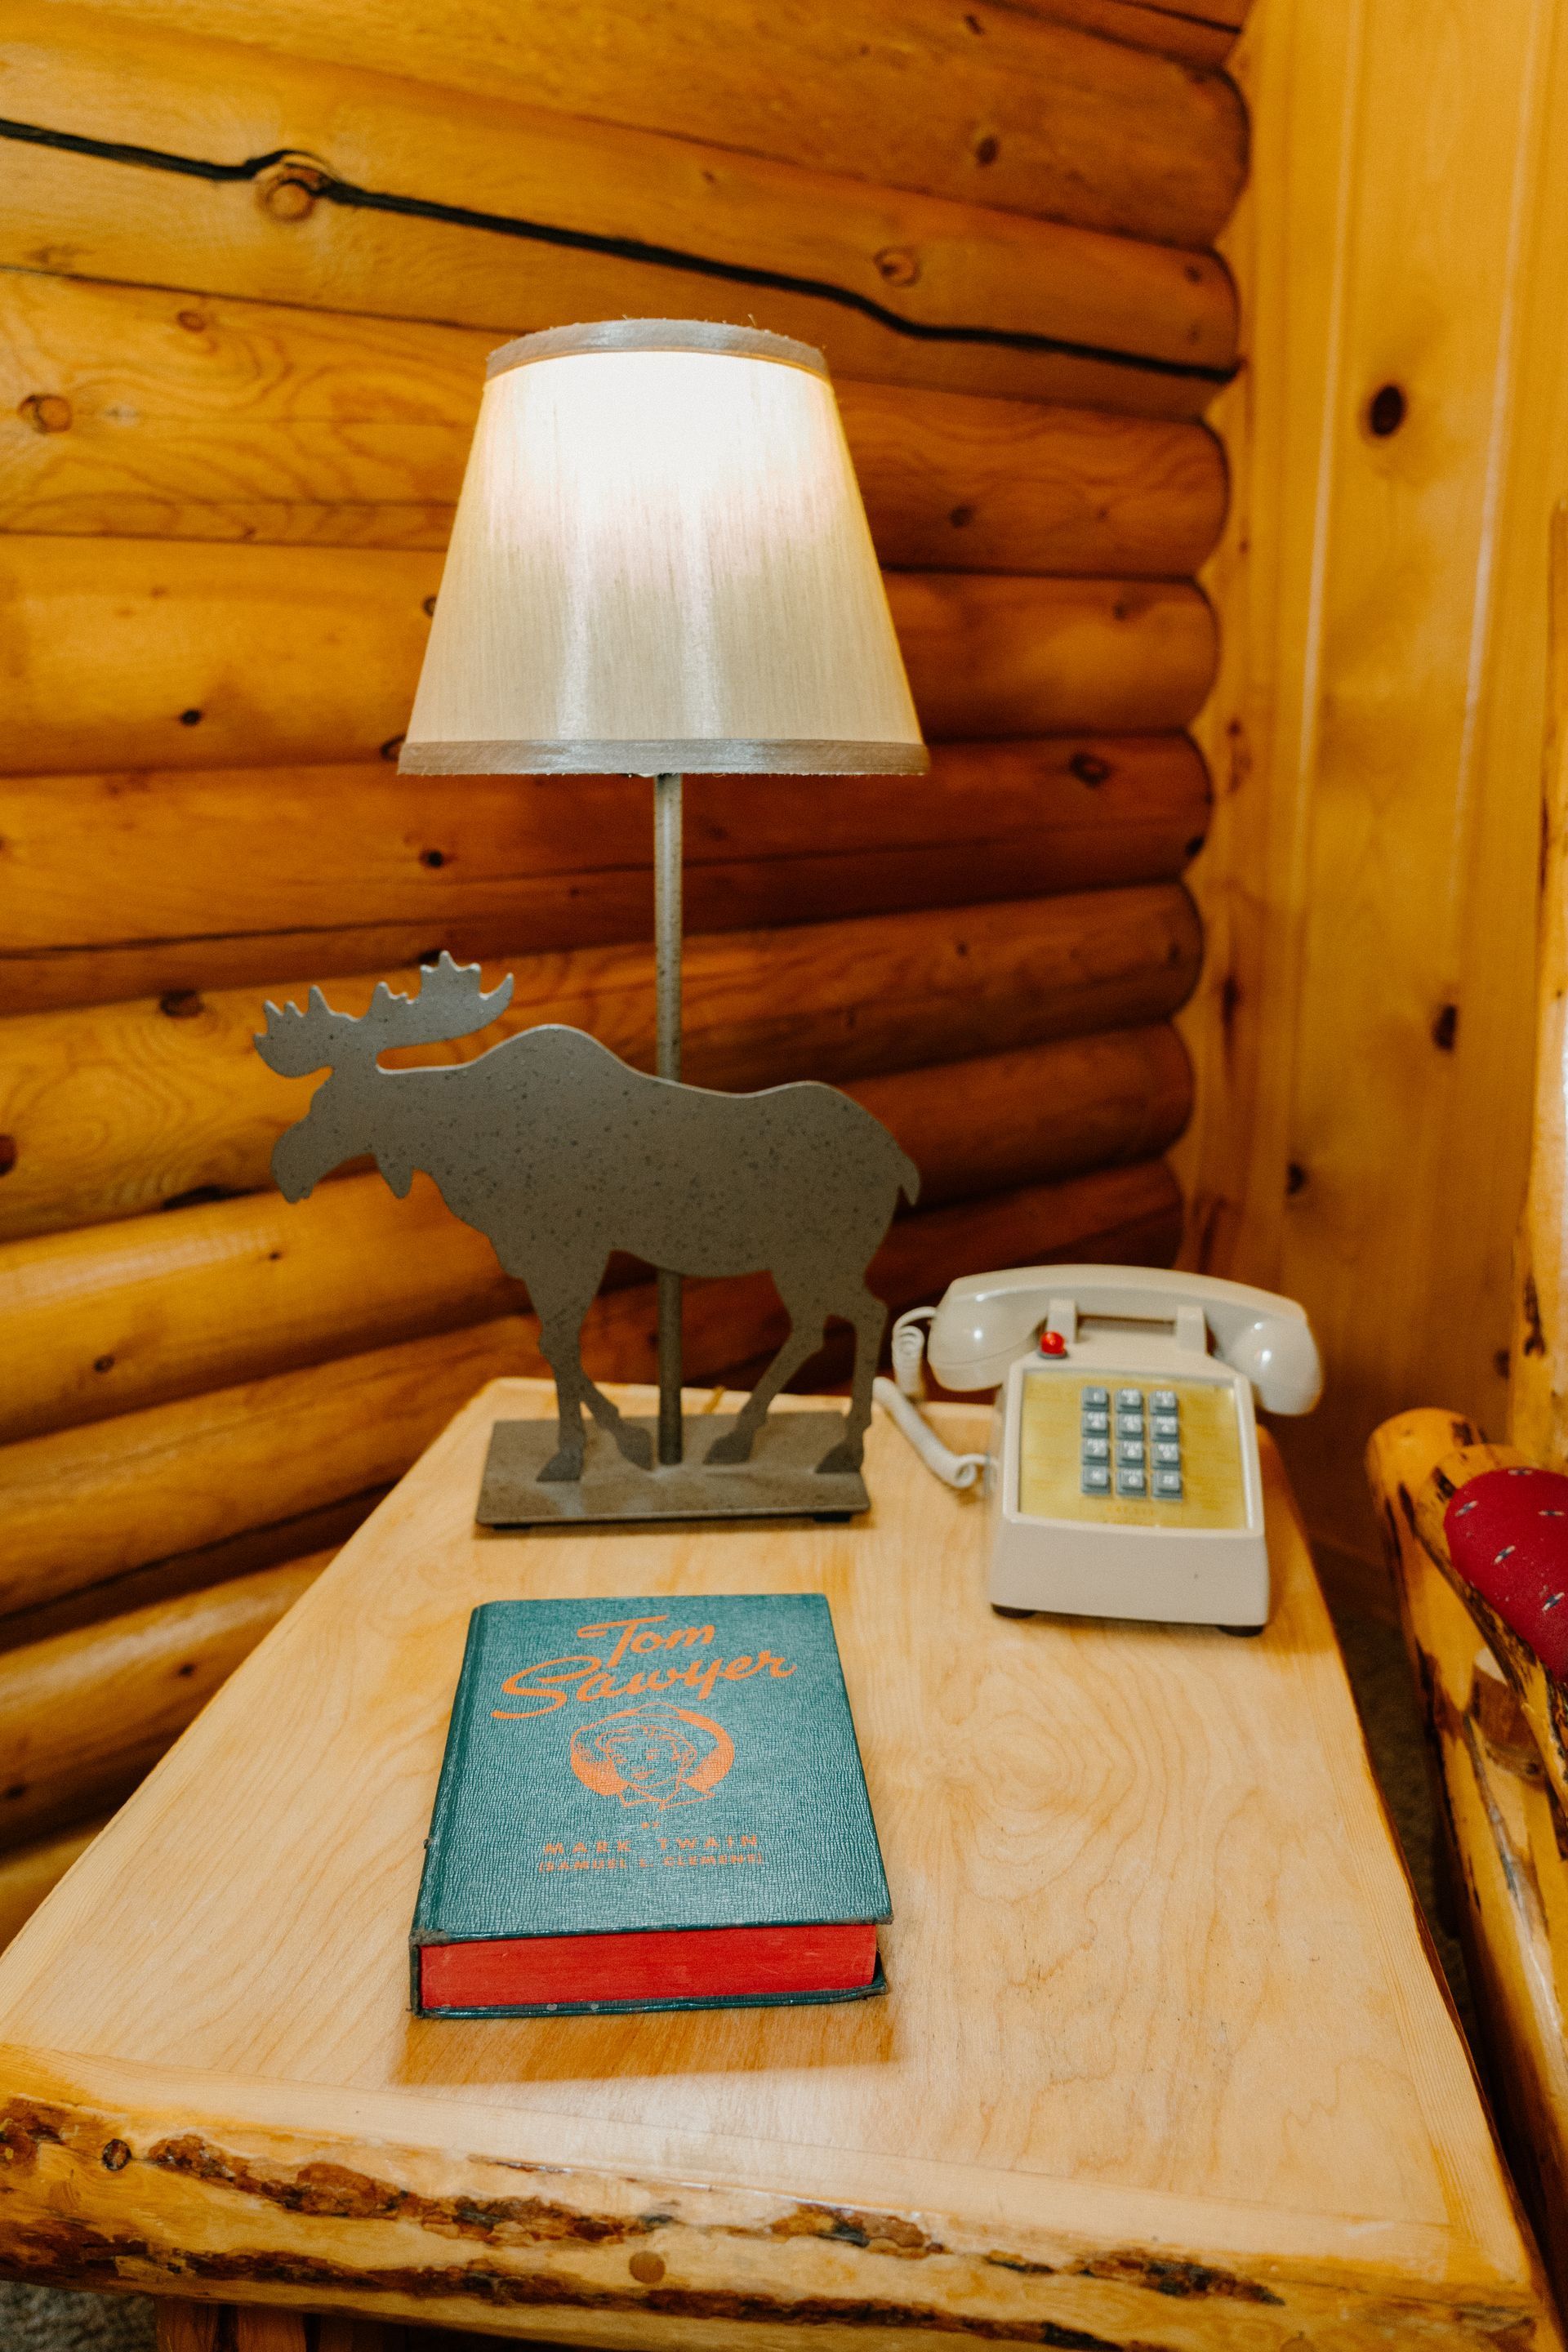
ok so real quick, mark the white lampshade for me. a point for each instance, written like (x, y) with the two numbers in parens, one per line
(660, 564)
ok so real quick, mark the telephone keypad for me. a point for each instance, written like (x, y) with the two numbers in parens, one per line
(1131, 1455)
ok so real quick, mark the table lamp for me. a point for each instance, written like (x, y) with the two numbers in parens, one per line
(661, 565)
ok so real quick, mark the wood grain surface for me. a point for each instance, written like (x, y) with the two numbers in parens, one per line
(992, 105)
(1160, 2010)
(271, 874)
(206, 419)
(83, 1506)
(213, 655)
(1499, 1824)
(84, 1715)
(1538, 1383)
(1116, 321)
(114, 1108)
(107, 1318)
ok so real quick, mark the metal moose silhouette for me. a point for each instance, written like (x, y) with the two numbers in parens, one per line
(560, 1153)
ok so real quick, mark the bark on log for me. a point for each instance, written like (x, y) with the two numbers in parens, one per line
(110, 1110)
(274, 875)
(206, 656)
(1066, 313)
(109, 1318)
(1501, 1824)
(85, 1716)
(35, 1870)
(993, 105)
(258, 422)
(83, 1505)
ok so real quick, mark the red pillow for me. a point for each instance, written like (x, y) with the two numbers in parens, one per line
(1508, 1536)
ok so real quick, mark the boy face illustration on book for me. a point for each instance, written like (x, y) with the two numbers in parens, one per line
(653, 1755)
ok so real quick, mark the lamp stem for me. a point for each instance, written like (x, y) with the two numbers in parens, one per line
(667, 922)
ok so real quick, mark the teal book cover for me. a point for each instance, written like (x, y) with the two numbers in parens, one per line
(648, 1804)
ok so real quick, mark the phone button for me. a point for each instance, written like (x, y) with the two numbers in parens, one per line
(1095, 1396)
(1168, 1483)
(1129, 1400)
(1168, 1455)
(1129, 1449)
(1096, 1424)
(1097, 1449)
(1096, 1478)
(1130, 1481)
(1164, 1400)
(1165, 1424)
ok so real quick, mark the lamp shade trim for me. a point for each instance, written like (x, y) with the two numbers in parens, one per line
(701, 758)
(656, 335)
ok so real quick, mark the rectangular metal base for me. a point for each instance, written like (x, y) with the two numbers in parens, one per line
(780, 1481)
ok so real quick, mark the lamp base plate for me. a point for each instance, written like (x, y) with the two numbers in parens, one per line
(780, 1481)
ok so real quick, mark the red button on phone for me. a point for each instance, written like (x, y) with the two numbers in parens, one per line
(1052, 1344)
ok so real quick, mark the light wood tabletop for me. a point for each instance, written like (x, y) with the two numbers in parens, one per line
(1162, 2062)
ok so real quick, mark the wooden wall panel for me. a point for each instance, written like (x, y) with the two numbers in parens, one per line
(206, 656)
(1039, 311)
(136, 412)
(273, 875)
(114, 1316)
(109, 1111)
(1205, 36)
(987, 103)
(1367, 1025)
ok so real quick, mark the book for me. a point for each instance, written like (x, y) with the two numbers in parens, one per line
(652, 1803)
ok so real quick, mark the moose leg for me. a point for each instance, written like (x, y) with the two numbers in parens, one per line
(805, 1336)
(635, 1443)
(560, 1336)
(869, 1317)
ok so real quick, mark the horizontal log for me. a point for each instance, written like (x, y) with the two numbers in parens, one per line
(1201, 36)
(85, 1716)
(113, 1317)
(326, 1528)
(111, 1110)
(33, 1870)
(275, 874)
(1063, 312)
(82, 1505)
(156, 653)
(254, 421)
(991, 104)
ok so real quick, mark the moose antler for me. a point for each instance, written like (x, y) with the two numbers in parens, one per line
(451, 1002)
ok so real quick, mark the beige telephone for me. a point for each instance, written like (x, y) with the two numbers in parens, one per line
(1122, 1475)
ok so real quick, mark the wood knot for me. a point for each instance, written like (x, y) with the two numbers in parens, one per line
(986, 149)
(116, 2155)
(46, 411)
(898, 264)
(181, 1005)
(291, 190)
(7, 1154)
(647, 2269)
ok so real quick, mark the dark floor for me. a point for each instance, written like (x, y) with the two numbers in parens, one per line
(37, 2320)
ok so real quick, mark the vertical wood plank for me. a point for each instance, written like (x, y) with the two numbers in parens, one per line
(257, 2329)
(1539, 1386)
(1370, 927)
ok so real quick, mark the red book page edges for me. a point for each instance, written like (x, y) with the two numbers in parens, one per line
(1508, 1536)
(675, 1964)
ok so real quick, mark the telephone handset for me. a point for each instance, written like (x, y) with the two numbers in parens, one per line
(1123, 1474)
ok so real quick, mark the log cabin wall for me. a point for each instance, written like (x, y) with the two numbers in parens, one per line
(1364, 1027)
(248, 286)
